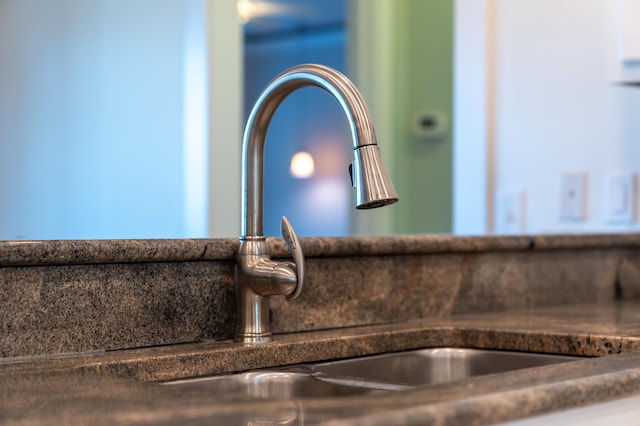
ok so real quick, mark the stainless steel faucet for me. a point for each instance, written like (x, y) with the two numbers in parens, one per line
(258, 277)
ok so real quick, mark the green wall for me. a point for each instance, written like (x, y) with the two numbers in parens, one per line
(423, 80)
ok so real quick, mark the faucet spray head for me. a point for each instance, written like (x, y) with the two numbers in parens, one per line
(370, 179)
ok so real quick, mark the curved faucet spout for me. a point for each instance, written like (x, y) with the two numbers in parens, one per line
(369, 177)
(257, 277)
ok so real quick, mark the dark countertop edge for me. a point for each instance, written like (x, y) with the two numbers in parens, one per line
(78, 252)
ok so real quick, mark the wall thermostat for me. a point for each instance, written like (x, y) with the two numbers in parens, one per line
(430, 125)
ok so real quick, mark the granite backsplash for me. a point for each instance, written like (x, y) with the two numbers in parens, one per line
(83, 296)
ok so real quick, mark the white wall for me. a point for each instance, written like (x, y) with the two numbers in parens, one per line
(473, 108)
(556, 110)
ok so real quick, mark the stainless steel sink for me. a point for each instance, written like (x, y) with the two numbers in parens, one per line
(276, 384)
(370, 374)
(433, 366)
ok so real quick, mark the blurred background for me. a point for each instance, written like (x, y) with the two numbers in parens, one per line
(124, 118)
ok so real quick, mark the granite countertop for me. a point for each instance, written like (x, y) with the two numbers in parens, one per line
(118, 386)
(80, 252)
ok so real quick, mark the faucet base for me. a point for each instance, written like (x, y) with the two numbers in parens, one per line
(253, 338)
(253, 324)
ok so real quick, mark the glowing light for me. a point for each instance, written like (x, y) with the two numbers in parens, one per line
(302, 165)
(250, 9)
(245, 10)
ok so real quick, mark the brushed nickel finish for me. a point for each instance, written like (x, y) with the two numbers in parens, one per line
(257, 277)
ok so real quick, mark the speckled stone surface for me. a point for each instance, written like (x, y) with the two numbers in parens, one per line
(585, 330)
(87, 327)
(82, 296)
(65, 252)
(73, 308)
(80, 252)
(111, 387)
(380, 289)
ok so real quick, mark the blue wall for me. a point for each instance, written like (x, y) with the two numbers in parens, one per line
(310, 119)
(91, 119)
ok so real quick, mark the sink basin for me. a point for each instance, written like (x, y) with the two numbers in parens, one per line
(274, 385)
(367, 375)
(434, 366)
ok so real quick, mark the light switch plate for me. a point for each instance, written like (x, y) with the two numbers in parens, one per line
(620, 197)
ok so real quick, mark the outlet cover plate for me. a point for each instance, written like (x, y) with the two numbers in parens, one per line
(573, 195)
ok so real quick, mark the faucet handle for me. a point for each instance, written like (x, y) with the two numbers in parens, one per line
(290, 237)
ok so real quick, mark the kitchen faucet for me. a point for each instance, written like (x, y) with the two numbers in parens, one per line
(257, 277)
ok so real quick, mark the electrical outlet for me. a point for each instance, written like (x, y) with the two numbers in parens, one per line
(511, 213)
(573, 194)
(620, 197)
